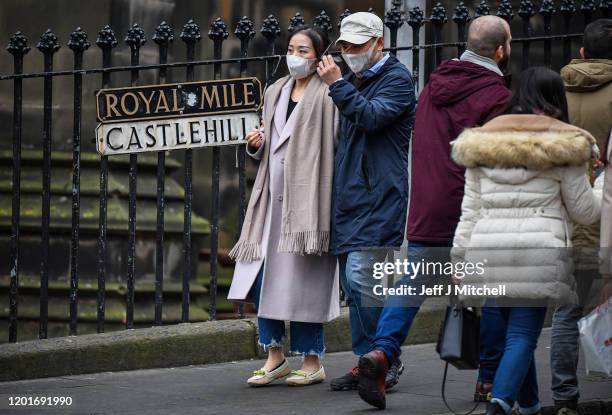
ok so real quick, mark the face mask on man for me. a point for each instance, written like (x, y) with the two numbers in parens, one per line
(360, 62)
(300, 67)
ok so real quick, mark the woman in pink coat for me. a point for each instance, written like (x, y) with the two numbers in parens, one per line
(282, 260)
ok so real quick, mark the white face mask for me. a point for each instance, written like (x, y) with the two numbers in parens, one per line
(359, 62)
(300, 67)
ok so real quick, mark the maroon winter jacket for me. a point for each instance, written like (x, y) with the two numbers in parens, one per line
(459, 95)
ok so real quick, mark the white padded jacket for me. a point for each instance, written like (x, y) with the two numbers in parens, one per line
(524, 185)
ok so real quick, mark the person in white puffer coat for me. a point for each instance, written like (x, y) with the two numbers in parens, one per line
(525, 185)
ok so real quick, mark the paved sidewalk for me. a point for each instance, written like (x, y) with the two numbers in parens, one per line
(220, 389)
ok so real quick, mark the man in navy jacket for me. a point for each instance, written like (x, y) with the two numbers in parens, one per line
(376, 102)
(461, 93)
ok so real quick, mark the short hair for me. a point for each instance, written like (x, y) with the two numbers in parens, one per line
(486, 34)
(318, 37)
(540, 91)
(597, 39)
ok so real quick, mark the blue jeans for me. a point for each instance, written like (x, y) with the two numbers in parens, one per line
(564, 350)
(305, 338)
(399, 311)
(492, 341)
(356, 277)
(515, 379)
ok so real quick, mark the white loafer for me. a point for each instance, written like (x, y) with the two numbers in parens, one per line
(301, 378)
(262, 377)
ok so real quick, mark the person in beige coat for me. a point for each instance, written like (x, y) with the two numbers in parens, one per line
(282, 259)
(525, 185)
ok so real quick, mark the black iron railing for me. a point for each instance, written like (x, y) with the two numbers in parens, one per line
(436, 23)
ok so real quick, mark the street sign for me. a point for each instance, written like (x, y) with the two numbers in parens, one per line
(173, 134)
(174, 116)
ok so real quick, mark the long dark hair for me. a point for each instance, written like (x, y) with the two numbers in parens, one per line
(540, 91)
(318, 37)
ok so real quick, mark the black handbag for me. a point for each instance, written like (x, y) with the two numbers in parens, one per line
(459, 342)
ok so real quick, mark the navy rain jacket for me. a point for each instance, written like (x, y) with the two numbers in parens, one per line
(370, 193)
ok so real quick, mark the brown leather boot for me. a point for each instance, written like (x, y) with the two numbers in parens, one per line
(483, 392)
(373, 369)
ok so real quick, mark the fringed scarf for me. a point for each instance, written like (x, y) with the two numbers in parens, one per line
(309, 166)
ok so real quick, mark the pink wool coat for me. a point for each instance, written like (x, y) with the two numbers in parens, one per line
(295, 287)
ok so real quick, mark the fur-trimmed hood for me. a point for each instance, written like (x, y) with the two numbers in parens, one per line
(532, 142)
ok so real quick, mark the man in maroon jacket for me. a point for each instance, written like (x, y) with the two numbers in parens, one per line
(461, 93)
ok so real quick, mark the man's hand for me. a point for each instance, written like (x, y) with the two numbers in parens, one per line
(606, 290)
(328, 70)
(253, 138)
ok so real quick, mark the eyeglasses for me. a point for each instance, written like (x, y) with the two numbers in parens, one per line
(335, 54)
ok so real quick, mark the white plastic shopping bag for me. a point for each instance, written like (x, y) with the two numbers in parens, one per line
(596, 339)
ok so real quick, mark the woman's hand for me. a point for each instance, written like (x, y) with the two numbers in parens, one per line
(253, 138)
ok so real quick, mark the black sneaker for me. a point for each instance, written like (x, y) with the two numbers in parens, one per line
(395, 370)
(495, 409)
(516, 411)
(348, 382)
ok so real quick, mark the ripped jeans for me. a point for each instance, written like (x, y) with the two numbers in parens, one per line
(305, 338)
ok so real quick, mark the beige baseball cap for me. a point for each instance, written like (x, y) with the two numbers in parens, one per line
(360, 27)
